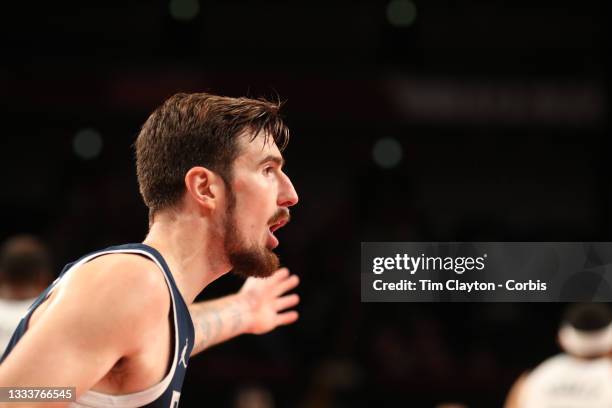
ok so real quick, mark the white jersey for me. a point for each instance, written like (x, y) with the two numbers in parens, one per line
(11, 312)
(564, 381)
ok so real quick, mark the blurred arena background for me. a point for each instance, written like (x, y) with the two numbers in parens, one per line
(412, 120)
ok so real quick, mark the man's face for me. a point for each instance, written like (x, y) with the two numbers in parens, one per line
(259, 198)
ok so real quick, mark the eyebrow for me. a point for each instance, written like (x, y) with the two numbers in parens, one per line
(271, 158)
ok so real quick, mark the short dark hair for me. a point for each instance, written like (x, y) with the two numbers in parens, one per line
(198, 129)
(24, 259)
(588, 317)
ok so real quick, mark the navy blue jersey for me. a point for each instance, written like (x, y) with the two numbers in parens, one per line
(165, 394)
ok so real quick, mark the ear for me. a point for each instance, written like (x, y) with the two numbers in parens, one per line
(202, 186)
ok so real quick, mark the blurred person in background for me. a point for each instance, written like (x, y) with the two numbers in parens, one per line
(581, 376)
(254, 397)
(25, 271)
(120, 324)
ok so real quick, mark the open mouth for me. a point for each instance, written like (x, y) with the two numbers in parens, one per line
(279, 224)
(272, 240)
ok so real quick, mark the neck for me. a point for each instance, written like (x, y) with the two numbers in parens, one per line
(193, 251)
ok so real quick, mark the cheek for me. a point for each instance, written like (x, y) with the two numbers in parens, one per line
(252, 211)
(255, 201)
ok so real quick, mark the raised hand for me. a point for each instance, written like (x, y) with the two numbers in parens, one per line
(268, 301)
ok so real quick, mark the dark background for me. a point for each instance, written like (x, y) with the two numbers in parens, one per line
(500, 108)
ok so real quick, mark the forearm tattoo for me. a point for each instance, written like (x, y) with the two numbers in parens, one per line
(235, 317)
(210, 324)
(218, 323)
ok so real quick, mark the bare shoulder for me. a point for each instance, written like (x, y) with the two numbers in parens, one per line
(513, 400)
(102, 311)
(127, 269)
(125, 284)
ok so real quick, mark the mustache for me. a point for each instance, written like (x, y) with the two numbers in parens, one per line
(279, 215)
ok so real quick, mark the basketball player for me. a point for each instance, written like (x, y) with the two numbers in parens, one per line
(120, 323)
(581, 377)
(25, 271)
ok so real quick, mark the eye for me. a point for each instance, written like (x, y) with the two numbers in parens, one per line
(267, 170)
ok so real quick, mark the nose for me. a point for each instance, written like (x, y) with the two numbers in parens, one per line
(287, 196)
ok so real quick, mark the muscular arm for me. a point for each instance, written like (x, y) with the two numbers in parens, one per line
(257, 308)
(101, 312)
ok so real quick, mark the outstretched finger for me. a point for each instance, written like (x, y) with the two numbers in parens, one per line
(279, 275)
(286, 285)
(286, 302)
(287, 318)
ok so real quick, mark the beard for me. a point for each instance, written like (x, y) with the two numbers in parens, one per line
(246, 259)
